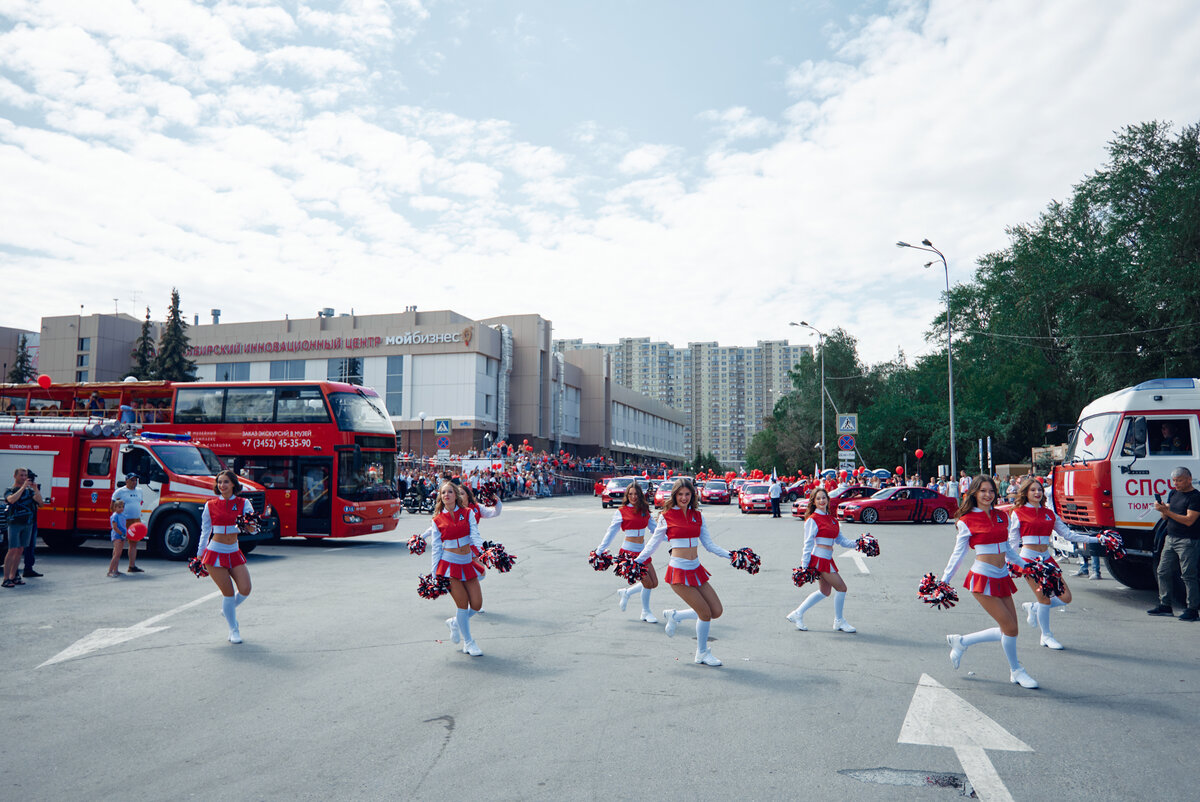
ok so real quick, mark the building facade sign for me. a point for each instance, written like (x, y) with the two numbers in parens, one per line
(417, 337)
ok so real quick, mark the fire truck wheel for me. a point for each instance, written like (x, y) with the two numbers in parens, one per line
(1133, 573)
(60, 542)
(176, 537)
(940, 516)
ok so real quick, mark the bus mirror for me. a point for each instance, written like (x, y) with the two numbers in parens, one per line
(1137, 431)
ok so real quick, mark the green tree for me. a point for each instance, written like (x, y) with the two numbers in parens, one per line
(22, 370)
(705, 462)
(171, 363)
(143, 354)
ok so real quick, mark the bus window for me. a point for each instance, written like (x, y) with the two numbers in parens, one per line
(273, 473)
(199, 405)
(12, 404)
(300, 405)
(359, 412)
(361, 479)
(249, 404)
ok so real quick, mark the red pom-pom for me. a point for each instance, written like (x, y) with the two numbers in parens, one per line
(1017, 571)
(802, 576)
(937, 593)
(1110, 539)
(416, 545)
(494, 556)
(600, 562)
(248, 523)
(630, 569)
(868, 545)
(1047, 575)
(431, 587)
(745, 559)
(198, 568)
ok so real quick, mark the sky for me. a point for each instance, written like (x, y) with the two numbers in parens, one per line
(684, 171)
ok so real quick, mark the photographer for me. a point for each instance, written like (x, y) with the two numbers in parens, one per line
(23, 499)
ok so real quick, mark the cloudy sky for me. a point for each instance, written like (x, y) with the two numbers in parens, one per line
(685, 171)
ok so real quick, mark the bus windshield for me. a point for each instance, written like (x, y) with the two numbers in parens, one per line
(366, 476)
(1093, 437)
(189, 460)
(359, 412)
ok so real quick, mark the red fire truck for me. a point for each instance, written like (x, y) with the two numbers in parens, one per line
(80, 462)
(1120, 457)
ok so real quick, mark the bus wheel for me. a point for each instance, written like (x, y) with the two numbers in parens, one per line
(1133, 573)
(177, 537)
(56, 541)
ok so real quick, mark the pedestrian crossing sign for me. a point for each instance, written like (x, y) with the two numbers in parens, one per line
(847, 423)
(441, 426)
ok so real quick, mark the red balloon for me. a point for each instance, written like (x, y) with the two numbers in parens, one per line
(44, 381)
(919, 453)
(137, 531)
(899, 470)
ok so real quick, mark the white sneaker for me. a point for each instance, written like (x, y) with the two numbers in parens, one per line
(842, 625)
(707, 658)
(455, 635)
(1030, 613)
(671, 622)
(235, 636)
(648, 617)
(470, 648)
(1022, 678)
(797, 618)
(956, 649)
(622, 599)
(1050, 642)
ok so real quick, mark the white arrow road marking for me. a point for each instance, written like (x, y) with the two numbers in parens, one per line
(105, 637)
(859, 560)
(939, 717)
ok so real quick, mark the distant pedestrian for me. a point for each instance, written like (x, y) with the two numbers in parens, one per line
(775, 492)
(23, 499)
(1181, 546)
(117, 534)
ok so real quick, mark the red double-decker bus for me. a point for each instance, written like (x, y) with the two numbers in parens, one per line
(324, 451)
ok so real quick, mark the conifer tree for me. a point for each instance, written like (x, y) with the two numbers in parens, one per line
(22, 369)
(143, 352)
(171, 363)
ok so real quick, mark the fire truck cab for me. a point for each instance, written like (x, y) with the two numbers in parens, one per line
(1120, 457)
(79, 463)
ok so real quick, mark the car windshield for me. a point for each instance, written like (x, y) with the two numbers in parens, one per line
(886, 492)
(716, 486)
(189, 460)
(619, 484)
(1093, 437)
(755, 488)
(359, 412)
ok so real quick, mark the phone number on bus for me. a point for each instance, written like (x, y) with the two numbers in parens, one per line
(276, 442)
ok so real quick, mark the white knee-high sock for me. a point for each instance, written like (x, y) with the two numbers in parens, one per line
(685, 614)
(629, 591)
(229, 608)
(1009, 644)
(463, 617)
(702, 635)
(1035, 610)
(239, 598)
(1043, 618)
(471, 613)
(1057, 602)
(839, 602)
(815, 597)
(982, 636)
(645, 600)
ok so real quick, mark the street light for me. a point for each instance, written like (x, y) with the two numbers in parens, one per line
(928, 246)
(821, 345)
(421, 415)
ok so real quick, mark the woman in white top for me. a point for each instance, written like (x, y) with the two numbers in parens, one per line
(633, 521)
(821, 531)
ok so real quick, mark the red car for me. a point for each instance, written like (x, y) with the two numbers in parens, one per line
(614, 491)
(754, 497)
(714, 492)
(835, 497)
(899, 504)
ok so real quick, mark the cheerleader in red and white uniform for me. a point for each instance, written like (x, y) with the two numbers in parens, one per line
(219, 548)
(480, 511)
(683, 527)
(821, 532)
(1030, 527)
(632, 520)
(985, 529)
(453, 532)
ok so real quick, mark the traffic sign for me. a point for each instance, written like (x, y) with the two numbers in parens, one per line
(846, 455)
(847, 423)
(441, 426)
(846, 465)
(443, 442)
(846, 442)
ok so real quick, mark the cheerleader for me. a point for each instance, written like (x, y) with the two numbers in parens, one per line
(1029, 528)
(453, 532)
(219, 549)
(985, 529)
(683, 527)
(821, 531)
(633, 521)
(480, 511)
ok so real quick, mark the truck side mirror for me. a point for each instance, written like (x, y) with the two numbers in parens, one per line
(1137, 428)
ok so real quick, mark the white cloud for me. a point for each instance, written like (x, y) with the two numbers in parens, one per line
(644, 159)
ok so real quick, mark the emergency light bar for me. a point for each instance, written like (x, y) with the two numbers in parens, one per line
(161, 436)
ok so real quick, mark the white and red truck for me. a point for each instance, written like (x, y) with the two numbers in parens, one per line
(79, 462)
(1119, 460)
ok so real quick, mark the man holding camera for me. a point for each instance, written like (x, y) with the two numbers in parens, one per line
(23, 499)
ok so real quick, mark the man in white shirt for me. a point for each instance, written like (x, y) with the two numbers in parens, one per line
(775, 492)
(964, 483)
(131, 494)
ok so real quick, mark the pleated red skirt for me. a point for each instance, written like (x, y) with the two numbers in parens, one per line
(990, 586)
(223, 560)
(456, 571)
(682, 576)
(823, 564)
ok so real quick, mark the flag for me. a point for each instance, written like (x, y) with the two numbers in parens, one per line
(774, 476)
(1051, 427)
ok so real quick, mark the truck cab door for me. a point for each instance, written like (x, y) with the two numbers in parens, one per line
(96, 485)
(151, 476)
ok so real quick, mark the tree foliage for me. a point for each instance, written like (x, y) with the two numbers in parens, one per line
(171, 363)
(143, 353)
(22, 370)
(705, 462)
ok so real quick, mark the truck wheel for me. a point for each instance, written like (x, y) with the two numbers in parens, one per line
(176, 537)
(940, 516)
(59, 542)
(869, 516)
(1133, 573)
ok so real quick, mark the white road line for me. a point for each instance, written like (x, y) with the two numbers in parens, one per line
(548, 518)
(859, 560)
(105, 637)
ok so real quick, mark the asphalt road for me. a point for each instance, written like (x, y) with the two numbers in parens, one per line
(347, 687)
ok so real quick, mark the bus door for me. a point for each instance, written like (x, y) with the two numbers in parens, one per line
(96, 485)
(316, 495)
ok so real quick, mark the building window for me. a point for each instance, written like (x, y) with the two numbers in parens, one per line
(347, 369)
(85, 344)
(488, 407)
(81, 375)
(283, 370)
(81, 361)
(394, 394)
(233, 371)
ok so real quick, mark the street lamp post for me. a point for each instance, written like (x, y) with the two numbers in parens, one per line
(928, 246)
(421, 415)
(821, 345)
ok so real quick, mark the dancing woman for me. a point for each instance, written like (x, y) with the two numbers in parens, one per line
(985, 529)
(219, 549)
(632, 520)
(1029, 528)
(453, 532)
(821, 532)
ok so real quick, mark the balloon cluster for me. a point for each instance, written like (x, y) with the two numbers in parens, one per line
(416, 545)
(602, 561)
(630, 569)
(248, 523)
(1047, 575)
(937, 593)
(1110, 539)
(802, 576)
(744, 559)
(494, 556)
(431, 587)
(868, 545)
(198, 568)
